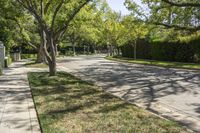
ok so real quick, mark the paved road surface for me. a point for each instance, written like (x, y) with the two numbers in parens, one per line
(172, 93)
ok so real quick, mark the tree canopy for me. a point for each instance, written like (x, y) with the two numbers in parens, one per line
(45, 25)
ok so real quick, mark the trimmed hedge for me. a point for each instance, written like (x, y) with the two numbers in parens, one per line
(142, 45)
(165, 51)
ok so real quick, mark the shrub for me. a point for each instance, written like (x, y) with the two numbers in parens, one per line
(9, 61)
(28, 56)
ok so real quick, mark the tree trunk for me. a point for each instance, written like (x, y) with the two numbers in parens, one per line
(111, 50)
(108, 50)
(52, 63)
(40, 55)
(135, 50)
(52, 67)
(95, 51)
(74, 48)
(88, 49)
(56, 50)
(118, 51)
(51, 57)
(84, 49)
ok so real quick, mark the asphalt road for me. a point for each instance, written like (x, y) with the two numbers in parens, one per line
(173, 93)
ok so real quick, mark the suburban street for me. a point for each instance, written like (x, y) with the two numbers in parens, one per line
(172, 93)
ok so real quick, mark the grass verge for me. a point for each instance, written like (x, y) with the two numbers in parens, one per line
(36, 65)
(192, 66)
(67, 104)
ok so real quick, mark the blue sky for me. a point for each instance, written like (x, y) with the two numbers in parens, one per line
(118, 5)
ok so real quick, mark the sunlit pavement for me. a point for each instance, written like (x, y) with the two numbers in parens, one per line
(17, 112)
(172, 93)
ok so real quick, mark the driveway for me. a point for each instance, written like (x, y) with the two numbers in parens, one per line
(172, 93)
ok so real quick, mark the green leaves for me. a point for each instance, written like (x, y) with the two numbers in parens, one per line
(171, 14)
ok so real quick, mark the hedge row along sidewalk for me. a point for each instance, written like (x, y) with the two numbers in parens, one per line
(190, 66)
(68, 104)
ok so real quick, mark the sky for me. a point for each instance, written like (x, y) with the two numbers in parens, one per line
(118, 5)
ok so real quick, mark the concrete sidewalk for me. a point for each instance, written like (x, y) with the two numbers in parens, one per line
(17, 111)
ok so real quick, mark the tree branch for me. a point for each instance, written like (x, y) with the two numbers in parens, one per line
(182, 4)
(55, 13)
(177, 27)
(47, 6)
(67, 22)
(32, 45)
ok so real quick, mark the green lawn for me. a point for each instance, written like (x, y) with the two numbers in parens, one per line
(67, 104)
(32, 64)
(157, 63)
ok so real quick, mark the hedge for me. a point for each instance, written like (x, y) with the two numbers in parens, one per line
(165, 51)
(142, 45)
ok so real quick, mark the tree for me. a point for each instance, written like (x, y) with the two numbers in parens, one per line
(180, 15)
(29, 34)
(53, 18)
(8, 19)
(134, 30)
(78, 26)
(16, 31)
(86, 28)
(112, 31)
(90, 29)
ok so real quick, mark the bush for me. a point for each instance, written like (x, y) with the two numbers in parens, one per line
(9, 61)
(28, 56)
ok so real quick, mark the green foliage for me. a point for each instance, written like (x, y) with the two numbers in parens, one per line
(143, 49)
(28, 56)
(134, 29)
(16, 26)
(9, 61)
(183, 15)
(165, 51)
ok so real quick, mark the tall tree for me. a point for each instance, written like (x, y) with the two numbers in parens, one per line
(15, 30)
(8, 23)
(134, 30)
(112, 31)
(53, 18)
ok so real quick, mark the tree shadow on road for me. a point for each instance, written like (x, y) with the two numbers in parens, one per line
(143, 84)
